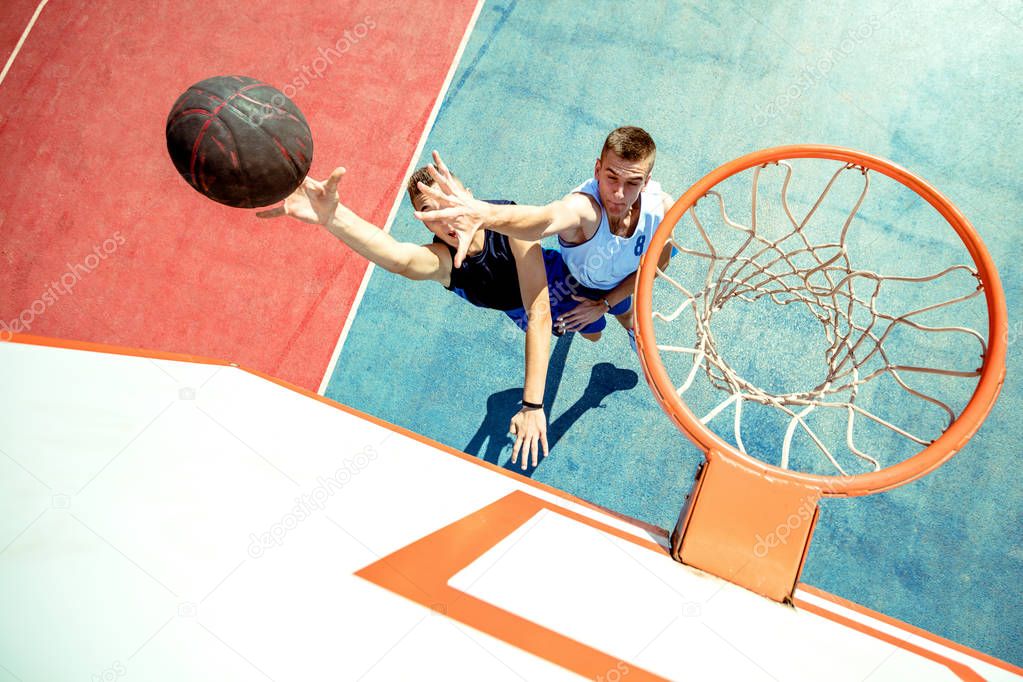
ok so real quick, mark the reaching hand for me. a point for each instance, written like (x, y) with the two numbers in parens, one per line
(458, 210)
(529, 427)
(313, 201)
(580, 316)
(439, 172)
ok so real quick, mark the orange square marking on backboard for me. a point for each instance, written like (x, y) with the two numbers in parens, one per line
(421, 571)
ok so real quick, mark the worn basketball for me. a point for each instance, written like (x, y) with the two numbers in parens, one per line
(239, 141)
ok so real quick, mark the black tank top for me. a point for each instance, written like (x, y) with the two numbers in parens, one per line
(488, 279)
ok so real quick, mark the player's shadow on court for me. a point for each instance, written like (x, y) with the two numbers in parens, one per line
(492, 438)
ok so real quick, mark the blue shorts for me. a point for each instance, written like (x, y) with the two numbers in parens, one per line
(561, 286)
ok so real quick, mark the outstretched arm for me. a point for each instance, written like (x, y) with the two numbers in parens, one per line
(317, 202)
(532, 223)
(529, 426)
(461, 212)
(413, 261)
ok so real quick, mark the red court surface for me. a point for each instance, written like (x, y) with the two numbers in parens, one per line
(14, 16)
(102, 241)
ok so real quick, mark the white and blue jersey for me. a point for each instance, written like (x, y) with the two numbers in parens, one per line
(605, 259)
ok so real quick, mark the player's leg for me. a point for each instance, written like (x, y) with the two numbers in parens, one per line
(562, 285)
(627, 318)
(624, 312)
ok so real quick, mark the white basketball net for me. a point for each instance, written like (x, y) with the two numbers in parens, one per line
(826, 284)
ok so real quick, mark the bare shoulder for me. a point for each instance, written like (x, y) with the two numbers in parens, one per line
(587, 214)
(522, 248)
(583, 205)
(444, 262)
(667, 201)
(530, 266)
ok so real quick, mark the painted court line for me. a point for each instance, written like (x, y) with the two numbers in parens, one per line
(24, 36)
(401, 194)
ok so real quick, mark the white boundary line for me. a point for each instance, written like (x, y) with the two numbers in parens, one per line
(401, 194)
(988, 671)
(24, 37)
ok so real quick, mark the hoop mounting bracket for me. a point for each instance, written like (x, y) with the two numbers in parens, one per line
(746, 527)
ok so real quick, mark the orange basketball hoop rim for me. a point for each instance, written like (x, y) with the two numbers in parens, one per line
(932, 456)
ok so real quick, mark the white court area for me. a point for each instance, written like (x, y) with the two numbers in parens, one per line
(176, 520)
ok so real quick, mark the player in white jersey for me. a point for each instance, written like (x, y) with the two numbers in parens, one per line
(604, 226)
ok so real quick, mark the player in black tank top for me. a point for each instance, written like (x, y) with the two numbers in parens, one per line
(490, 278)
(499, 275)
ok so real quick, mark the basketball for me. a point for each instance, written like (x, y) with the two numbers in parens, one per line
(239, 141)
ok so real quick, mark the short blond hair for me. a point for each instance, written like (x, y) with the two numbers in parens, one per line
(630, 143)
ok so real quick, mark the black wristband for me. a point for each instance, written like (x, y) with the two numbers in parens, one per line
(532, 406)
